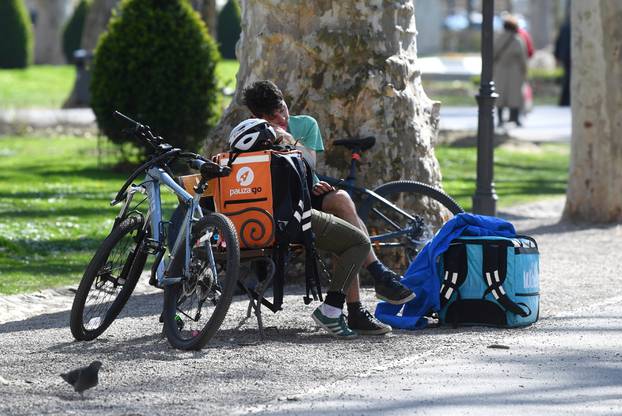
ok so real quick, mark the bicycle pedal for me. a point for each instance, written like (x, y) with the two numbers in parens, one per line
(151, 246)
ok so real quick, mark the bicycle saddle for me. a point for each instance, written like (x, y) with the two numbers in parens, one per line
(356, 144)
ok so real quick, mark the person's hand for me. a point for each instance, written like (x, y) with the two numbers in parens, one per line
(322, 188)
(282, 136)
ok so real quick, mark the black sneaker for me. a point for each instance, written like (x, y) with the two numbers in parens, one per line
(389, 289)
(362, 322)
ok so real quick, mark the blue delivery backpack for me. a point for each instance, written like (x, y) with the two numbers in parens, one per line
(490, 281)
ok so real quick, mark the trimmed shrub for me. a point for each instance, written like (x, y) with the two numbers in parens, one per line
(229, 29)
(16, 37)
(156, 64)
(72, 33)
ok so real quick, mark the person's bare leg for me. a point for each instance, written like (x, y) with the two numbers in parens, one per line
(391, 290)
(353, 292)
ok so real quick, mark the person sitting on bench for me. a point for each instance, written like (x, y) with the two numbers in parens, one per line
(314, 228)
(265, 100)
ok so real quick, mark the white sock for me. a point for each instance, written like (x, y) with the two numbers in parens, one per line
(330, 311)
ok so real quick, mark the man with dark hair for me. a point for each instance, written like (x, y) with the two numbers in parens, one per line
(265, 100)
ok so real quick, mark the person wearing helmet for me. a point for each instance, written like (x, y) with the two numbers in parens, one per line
(347, 242)
(265, 100)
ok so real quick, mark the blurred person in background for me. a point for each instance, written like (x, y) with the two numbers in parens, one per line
(562, 55)
(527, 90)
(510, 70)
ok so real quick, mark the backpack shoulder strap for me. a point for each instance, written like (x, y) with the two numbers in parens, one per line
(456, 269)
(495, 272)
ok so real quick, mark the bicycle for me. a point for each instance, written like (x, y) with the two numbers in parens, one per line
(202, 267)
(401, 216)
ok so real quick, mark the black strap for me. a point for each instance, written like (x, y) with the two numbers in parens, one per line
(295, 226)
(495, 271)
(456, 269)
(279, 256)
(232, 157)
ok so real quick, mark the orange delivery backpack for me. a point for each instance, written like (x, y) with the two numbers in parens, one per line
(245, 196)
(267, 197)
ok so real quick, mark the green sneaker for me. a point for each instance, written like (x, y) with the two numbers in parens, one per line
(337, 327)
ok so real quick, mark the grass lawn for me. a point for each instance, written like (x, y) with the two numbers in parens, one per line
(43, 86)
(55, 210)
(521, 174)
(54, 200)
(47, 86)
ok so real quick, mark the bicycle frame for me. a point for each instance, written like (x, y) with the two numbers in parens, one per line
(156, 177)
(349, 185)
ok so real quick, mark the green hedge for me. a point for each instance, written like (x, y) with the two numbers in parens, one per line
(16, 37)
(156, 64)
(229, 29)
(72, 33)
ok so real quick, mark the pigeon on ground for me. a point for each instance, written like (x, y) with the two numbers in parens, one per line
(83, 378)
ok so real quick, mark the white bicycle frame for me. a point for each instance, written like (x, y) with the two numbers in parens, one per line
(151, 187)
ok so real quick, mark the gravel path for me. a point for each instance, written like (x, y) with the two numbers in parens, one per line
(238, 374)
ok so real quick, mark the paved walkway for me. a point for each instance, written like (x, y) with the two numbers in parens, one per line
(569, 363)
(544, 123)
(462, 67)
(43, 118)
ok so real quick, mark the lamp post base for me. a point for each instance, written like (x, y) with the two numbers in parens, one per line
(485, 203)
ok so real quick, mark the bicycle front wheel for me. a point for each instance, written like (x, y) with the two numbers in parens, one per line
(195, 307)
(397, 238)
(109, 280)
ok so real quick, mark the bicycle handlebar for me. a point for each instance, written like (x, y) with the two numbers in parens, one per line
(164, 153)
(144, 133)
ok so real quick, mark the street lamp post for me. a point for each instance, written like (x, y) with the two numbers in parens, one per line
(485, 198)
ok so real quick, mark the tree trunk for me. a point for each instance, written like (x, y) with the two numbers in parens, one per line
(97, 22)
(51, 15)
(595, 184)
(352, 66)
(210, 16)
(541, 15)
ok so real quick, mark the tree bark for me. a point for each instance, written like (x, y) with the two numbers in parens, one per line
(51, 15)
(97, 22)
(210, 16)
(595, 183)
(353, 67)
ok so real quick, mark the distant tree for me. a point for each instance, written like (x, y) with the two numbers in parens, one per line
(96, 22)
(72, 33)
(48, 28)
(16, 37)
(156, 63)
(207, 9)
(595, 183)
(229, 28)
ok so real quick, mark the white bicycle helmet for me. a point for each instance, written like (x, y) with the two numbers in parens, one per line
(252, 134)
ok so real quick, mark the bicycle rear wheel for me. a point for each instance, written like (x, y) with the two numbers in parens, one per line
(195, 307)
(396, 238)
(109, 280)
